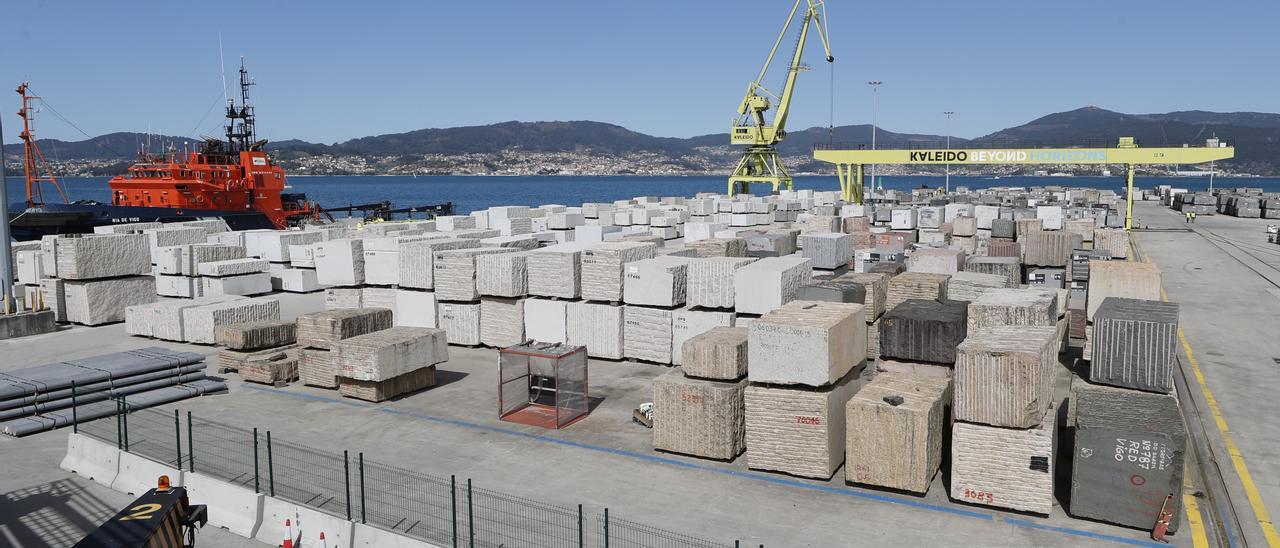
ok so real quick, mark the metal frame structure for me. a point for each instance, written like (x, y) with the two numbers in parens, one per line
(850, 162)
(524, 373)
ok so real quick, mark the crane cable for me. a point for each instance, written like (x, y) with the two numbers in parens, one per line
(55, 112)
(831, 113)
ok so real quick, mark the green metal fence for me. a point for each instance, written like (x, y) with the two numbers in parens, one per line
(445, 511)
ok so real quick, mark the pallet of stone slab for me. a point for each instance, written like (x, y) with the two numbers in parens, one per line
(461, 322)
(1114, 241)
(967, 286)
(257, 335)
(599, 327)
(689, 322)
(1122, 433)
(148, 397)
(659, 281)
(455, 276)
(501, 321)
(104, 300)
(936, 261)
(604, 268)
(798, 430)
(391, 352)
(1131, 280)
(324, 329)
(924, 330)
(1008, 307)
(1135, 344)
(877, 290)
(807, 342)
(827, 250)
(703, 418)
(718, 247)
(915, 285)
(1005, 376)
(709, 281)
(274, 366)
(717, 354)
(1048, 248)
(894, 431)
(556, 271)
(377, 391)
(502, 274)
(769, 283)
(1004, 467)
(318, 367)
(646, 334)
(200, 322)
(100, 256)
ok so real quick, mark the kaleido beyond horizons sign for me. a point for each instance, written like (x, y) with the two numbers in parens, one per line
(996, 156)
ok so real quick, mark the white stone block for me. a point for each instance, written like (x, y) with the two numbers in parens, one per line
(461, 321)
(599, 327)
(687, 323)
(647, 334)
(807, 342)
(340, 262)
(100, 301)
(300, 280)
(660, 281)
(545, 320)
(709, 281)
(769, 283)
(244, 284)
(415, 308)
(827, 250)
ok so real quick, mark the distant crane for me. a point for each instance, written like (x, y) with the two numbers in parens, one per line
(760, 163)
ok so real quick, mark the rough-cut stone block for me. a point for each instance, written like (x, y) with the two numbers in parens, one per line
(274, 245)
(101, 301)
(163, 319)
(936, 261)
(300, 280)
(718, 354)
(834, 291)
(877, 291)
(1048, 248)
(604, 268)
(1135, 344)
(968, 286)
(272, 366)
(325, 329)
(599, 327)
(827, 250)
(807, 342)
(199, 323)
(318, 368)
(797, 430)
(502, 274)
(1004, 247)
(660, 281)
(1009, 267)
(556, 271)
(1114, 241)
(257, 335)
(915, 285)
(717, 247)
(1126, 279)
(232, 267)
(769, 283)
(194, 255)
(710, 281)
(545, 320)
(895, 430)
(687, 323)
(104, 256)
(343, 297)
(923, 330)
(126, 228)
(461, 321)
(415, 259)
(340, 262)
(391, 352)
(245, 284)
(376, 391)
(964, 226)
(455, 272)
(175, 235)
(647, 334)
(1005, 375)
(1004, 467)
(414, 308)
(699, 417)
(501, 321)
(1128, 434)
(1001, 307)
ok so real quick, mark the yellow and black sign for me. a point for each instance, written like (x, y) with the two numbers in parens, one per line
(156, 520)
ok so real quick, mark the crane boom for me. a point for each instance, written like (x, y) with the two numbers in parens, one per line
(760, 163)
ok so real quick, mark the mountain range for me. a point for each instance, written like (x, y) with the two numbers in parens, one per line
(1255, 135)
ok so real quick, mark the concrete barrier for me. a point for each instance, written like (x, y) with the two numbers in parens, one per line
(307, 524)
(139, 474)
(368, 535)
(93, 459)
(231, 507)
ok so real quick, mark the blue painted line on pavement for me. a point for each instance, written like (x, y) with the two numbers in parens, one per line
(778, 480)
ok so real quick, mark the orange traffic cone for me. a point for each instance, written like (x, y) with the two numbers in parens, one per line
(322, 542)
(288, 534)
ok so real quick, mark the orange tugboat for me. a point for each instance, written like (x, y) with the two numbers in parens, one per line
(235, 180)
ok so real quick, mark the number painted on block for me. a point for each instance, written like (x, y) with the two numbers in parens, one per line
(141, 512)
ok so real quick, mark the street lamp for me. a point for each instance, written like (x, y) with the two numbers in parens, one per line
(948, 180)
(875, 84)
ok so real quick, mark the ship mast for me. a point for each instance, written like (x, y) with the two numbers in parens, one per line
(34, 160)
(240, 131)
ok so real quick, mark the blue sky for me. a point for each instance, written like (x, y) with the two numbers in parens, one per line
(329, 71)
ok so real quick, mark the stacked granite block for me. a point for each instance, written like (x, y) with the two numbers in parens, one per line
(936, 261)
(103, 300)
(719, 353)
(1005, 375)
(556, 271)
(501, 321)
(827, 250)
(1135, 344)
(807, 342)
(339, 262)
(502, 274)
(1114, 241)
(718, 247)
(597, 326)
(894, 431)
(1001, 307)
(689, 322)
(968, 286)
(769, 283)
(256, 335)
(1004, 467)
(199, 323)
(659, 281)
(915, 285)
(415, 260)
(703, 418)
(709, 281)
(604, 268)
(545, 320)
(461, 322)
(388, 353)
(924, 330)
(647, 334)
(1048, 248)
(319, 333)
(797, 429)
(1009, 267)
(1125, 279)
(261, 351)
(455, 277)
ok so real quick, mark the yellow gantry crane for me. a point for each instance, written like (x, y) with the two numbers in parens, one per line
(760, 163)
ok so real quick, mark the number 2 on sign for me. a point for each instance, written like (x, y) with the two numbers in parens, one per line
(141, 512)
(980, 496)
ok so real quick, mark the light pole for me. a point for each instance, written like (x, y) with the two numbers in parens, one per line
(948, 180)
(875, 85)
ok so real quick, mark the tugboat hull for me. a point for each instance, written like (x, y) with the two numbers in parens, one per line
(81, 217)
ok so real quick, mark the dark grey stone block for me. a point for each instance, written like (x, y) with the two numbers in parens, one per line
(1003, 228)
(1135, 344)
(924, 330)
(1128, 455)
